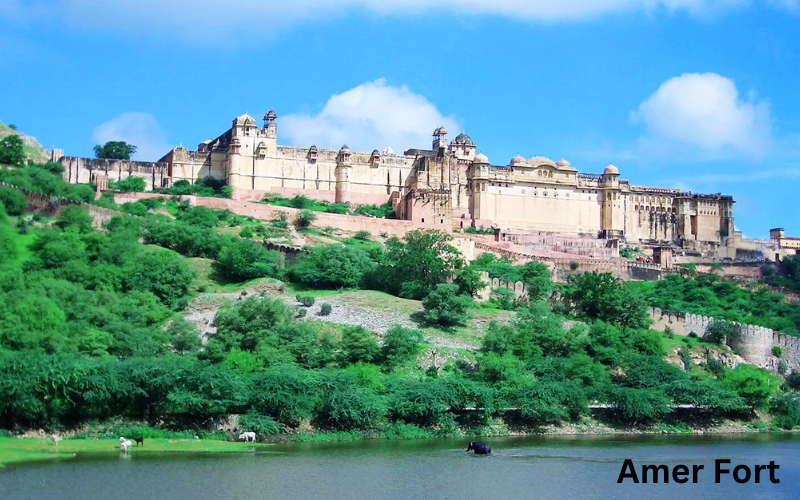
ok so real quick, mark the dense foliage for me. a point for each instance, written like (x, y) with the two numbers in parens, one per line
(90, 331)
(115, 150)
(709, 295)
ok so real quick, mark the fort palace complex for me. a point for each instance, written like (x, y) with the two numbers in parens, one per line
(448, 187)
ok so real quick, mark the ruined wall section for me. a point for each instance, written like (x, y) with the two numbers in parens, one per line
(518, 287)
(84, 171)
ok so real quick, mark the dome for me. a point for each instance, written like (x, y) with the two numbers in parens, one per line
(463, 138)
(270, 115)
(375, 152)
(481, 158)
(611, 170)
(344, 149)
(563, 163)
(540, 160)
(517, 160)
(388, 151)
(440, 131)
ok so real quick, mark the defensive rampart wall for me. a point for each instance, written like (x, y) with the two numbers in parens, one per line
(753, 343)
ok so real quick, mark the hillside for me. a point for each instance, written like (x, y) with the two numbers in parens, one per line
(176, 317)
(33, 150)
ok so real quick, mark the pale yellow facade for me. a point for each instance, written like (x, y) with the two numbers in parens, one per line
(449, 185)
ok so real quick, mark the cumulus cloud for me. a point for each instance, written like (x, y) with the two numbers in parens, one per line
(704, 110)
(140, 129)
(202, 19)
(372, 115)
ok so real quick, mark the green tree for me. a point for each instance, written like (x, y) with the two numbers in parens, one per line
(358, 345)
(11, 151)
(604, 297)
(414, 268)
(184, 337)
(13, 200)
(332, 266)
(753, 384)
(75, 216)
(537, 279)
(400, 345)
(163, 273)
(115, 150)
(445, 307)
(243, 260)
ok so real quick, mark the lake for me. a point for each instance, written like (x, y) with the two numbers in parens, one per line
(540, 467)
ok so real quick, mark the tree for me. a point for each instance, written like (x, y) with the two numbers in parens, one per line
(445, 307)
(537, 279)
(358, 344)
(417, 266)
(76, 217)
(11, 151)
(115, 150)
(400, 345)
(245, 260)
(163, 273)
(604, 297)
(332, 266)
(184, 337)
(13, 200)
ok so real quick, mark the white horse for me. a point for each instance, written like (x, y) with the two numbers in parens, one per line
(247, 436)
(125, 444)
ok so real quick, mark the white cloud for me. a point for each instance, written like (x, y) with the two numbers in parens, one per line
(704, 110)
(372, 115)
(203, 19)
(140, 129)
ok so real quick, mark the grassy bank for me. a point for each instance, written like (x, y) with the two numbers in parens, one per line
(15, 450)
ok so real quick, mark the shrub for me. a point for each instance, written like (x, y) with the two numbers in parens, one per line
(325, 309)
(305, 218)
(244, 260)
(306, 300)
(131, 184)
(574, 266)
(777, 351)
(260, 424)
(246, 232)
(719, 331)
(332, 266)
(445, 307)
(358, 345)
(301, 313)
(362, 235)
(75, 216)
(13, 200)
(786, 410)
(400, 345)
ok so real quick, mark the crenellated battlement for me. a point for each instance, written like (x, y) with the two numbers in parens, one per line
(754, 343)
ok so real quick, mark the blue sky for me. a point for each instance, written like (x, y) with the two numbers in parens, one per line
(697, 94)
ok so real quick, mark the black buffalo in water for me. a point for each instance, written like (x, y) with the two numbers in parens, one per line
(479, 447)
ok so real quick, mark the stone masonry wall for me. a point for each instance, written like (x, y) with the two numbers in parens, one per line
(84, 170)
(518, 287)
(754, 343)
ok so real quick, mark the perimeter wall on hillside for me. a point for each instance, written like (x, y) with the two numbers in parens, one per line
(753, 343)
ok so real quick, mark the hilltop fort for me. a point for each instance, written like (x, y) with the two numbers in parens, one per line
(449, 187)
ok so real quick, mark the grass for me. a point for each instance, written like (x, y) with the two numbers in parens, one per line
(15, 450)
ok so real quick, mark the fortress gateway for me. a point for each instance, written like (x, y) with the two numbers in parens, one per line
(448, 187)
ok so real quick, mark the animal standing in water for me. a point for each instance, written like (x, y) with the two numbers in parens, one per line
(124, 444)
(479, 447)
(248, 436)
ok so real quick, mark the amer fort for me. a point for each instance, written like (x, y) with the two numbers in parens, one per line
(536, 207)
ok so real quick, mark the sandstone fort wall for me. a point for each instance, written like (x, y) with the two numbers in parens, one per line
(754, 343)
(84, 170)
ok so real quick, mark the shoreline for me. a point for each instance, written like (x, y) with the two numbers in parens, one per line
(30, 449)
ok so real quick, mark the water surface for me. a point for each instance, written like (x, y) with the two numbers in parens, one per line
(553, 467)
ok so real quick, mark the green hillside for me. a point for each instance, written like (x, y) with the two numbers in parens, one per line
(33, 150)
